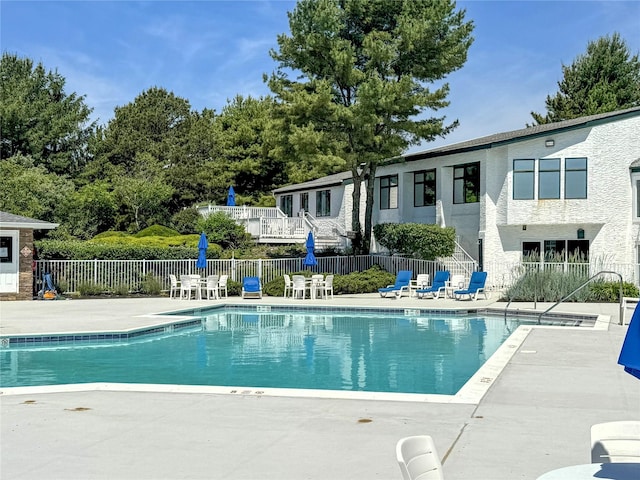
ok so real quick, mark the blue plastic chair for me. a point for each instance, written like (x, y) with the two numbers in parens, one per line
(251, 286)
(403, 279)
(438, 286)
(476, 287)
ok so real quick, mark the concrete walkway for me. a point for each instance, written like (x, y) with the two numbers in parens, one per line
(535, 416)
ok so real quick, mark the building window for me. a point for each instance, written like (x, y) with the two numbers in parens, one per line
(549, 178)
(6, 249)
(323, 203)
(575, 178)
(286, 205)
(523, 179)
(466, 183)
(424, 188)
(389, 192)
(304, 201)
(638, 199)
(571, 255)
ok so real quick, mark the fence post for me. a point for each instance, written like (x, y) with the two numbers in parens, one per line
(259, 268)
(95, 271)
(144, 268)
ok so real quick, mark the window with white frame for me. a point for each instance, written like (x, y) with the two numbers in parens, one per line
(388, 192)
(323, 203)
(466, 183)
(424, 188)
(635, 183)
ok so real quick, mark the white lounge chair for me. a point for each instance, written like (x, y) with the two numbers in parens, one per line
(418, 459)
(614, 442)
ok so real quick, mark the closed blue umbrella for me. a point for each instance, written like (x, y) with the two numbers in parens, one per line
(203, 244)
(231, 197)
(630, 352)
(310, 259)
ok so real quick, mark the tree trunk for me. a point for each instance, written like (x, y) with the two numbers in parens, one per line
(356, 227)
(368, 212)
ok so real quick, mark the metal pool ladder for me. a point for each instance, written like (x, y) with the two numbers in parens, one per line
(621, 314)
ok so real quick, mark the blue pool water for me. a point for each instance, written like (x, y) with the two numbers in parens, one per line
(311, 350)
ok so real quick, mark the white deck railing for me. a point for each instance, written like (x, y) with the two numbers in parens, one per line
(242, 212)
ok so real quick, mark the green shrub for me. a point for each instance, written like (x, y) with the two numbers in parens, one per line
(224, 231)
(150, 285)
(603, 291)
(368, 281)
(419, 240)
(186, 221)
(157, 231)
(121, 290)
(90, 289)
(551, 285)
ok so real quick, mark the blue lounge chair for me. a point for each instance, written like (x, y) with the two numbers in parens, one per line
(476, 287)
(403, 279)
(438, 286)
(251, 286)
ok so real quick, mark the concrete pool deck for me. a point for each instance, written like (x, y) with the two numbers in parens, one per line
(535, 416)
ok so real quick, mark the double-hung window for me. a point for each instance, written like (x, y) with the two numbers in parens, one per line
(548, 178)
(424, 188)
(323, 203)
(388, 192)
(466, 183)
(575, 178)
(523, 179)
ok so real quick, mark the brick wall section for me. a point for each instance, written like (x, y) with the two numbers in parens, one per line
(25, 276)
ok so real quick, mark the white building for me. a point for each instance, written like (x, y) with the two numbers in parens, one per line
(554, 190)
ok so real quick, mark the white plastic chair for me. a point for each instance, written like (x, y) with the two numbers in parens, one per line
(615, 442)
(317, 286)
(298, 286)
(222, 286)
(212, 287)
(417, 458)
(288, 286)
(328, 286)
(174, 286)
(421, 281)
(188, 285)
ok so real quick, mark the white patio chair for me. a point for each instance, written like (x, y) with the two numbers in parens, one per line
(421, 281)
(288, 286)
(188, 285)
(317, 286)
(174, 286)
(222, 286)
(614, 442)
(212, 287)
(417, 458)
(328, 286)
(298, 285)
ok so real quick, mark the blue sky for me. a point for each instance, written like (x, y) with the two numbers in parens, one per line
(209, 51)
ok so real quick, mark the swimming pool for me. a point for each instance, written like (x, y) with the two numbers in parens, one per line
(394, 351)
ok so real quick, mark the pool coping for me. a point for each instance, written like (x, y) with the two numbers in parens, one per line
(471, 392)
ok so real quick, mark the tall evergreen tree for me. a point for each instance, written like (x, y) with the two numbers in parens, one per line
(39, 119)
(366, 67)
(605, 79)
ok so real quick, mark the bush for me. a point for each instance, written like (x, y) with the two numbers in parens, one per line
(553, 285)
(90, 289)
(224, 231)
(606, 292)
(368, 281)
(419, 240)
(157, 231)
(121, 290)
(150, 285)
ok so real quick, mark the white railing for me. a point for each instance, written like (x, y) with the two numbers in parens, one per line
(295, 228)
(242, 212)
(112, 275)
